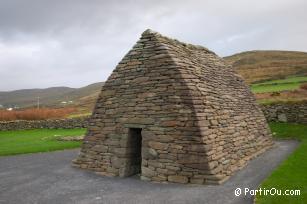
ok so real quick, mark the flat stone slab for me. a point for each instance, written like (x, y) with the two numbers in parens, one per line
(49, 178)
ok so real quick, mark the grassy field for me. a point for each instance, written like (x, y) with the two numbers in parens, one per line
(39, 140)
(281, 101)
(291, 174)
(290, 83)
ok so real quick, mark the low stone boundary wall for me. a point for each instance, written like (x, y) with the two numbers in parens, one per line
(292, 113)
(48, 124)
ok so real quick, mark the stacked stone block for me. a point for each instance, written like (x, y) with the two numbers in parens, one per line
(67, 123)
(286, 112)
(199, 122)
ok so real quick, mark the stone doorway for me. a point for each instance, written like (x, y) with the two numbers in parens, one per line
(135, 145)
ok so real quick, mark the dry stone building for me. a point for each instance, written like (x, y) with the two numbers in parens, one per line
(173, 112)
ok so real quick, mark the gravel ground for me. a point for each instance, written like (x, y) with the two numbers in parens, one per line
(48, 178)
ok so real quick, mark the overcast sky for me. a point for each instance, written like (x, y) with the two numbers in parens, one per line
(45, 43)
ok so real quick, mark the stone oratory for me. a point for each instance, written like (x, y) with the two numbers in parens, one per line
(173, 112)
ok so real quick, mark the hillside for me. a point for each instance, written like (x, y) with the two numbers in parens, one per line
(257, 66)
(28, 97)
(55, 96)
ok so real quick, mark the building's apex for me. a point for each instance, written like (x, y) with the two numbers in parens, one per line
(150, 32)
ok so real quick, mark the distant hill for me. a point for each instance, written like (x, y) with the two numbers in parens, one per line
(55, 96)
(256, 66)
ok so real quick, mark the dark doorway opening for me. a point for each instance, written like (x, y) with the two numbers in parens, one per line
(135, 144)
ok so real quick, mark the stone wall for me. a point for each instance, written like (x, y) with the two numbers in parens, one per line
(48, 124)
(292, 113)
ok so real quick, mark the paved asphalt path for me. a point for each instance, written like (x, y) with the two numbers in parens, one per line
(48, 178)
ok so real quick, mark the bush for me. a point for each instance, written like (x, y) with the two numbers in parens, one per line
(35, 114)
(303, 86)
(275, 93)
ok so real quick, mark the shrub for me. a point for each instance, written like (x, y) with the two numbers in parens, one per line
(275, 93)
(303, 86)
(35, 114)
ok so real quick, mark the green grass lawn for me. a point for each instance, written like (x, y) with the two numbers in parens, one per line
(39, 140)
(274, 87)
(287, 80)
(292, 173)
(290, 83)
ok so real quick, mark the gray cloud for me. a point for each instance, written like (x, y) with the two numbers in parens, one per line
(76, 42)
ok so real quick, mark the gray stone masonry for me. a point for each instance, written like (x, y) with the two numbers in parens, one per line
(283, 112)
(68, 123)
(173, 112)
